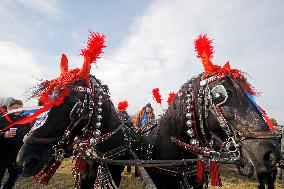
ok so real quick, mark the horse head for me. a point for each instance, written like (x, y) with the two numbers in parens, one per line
(214, 115)
(240, 126)
(75, 108)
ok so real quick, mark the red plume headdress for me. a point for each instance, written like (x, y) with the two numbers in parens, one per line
(122, 105)
(52, 93)
(171, 97)
(92, 52)
(157, 96)
(203, 44)
(205, 50)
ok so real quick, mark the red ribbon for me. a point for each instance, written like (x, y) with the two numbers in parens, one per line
(267, 120)
(6, 115)
(48, 106)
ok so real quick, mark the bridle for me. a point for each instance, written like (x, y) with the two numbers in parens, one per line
(89, 113)
(202, 143)
(87, 110)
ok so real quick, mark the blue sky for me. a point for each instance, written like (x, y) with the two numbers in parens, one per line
(150, 44)
(51, 27)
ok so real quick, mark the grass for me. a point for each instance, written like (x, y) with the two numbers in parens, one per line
(63, 179)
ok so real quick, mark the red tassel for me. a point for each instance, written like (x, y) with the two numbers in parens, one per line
(44, 177)
(38, 176)
(156, 95)
(81, 165)
(171, 97)
(200, 177)
(122, 105)
(215, 174)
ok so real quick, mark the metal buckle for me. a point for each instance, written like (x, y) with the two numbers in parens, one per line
(234, 154)
(59, 154)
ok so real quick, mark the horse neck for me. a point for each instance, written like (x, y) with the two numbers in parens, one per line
(173, 123)
(110, 118)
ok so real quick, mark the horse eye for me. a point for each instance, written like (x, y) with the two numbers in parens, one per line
(219, 94)
(229, 93)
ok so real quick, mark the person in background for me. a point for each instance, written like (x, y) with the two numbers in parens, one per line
(11, 141)
(144, 116)
(4, 101)
(123, 114)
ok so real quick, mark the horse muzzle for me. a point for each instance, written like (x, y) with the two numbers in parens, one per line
(31, 166)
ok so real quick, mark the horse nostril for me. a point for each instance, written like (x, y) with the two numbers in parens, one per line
(32, 163)
(270, 159)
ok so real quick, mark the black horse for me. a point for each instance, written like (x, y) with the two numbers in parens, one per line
(85, 119)
(212, 117)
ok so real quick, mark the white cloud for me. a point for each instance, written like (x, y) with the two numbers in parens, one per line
(159, 51)
(49, 8)
(18, 68)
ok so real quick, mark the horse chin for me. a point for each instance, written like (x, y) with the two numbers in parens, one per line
(245, 167)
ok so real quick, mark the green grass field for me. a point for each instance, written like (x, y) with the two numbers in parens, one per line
(63, 179)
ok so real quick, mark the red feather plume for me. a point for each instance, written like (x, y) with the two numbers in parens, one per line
(95, 45)
(202, 43)
(171, 97)
(122, 105)
(157, 96)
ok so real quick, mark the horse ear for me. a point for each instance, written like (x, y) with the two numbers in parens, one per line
(64, 63)
(85, 70)
(227, 66)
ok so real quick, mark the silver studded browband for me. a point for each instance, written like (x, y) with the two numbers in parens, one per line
(81, 89)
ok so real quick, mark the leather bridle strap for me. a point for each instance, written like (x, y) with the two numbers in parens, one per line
(258, 135)
(35, 140)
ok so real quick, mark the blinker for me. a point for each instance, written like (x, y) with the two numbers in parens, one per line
(219, 95)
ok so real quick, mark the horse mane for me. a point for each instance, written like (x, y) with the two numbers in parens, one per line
(173, 120)
(41, 87)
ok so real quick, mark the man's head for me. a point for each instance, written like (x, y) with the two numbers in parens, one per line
(15, 104)
(148, 108)
(5, 101)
